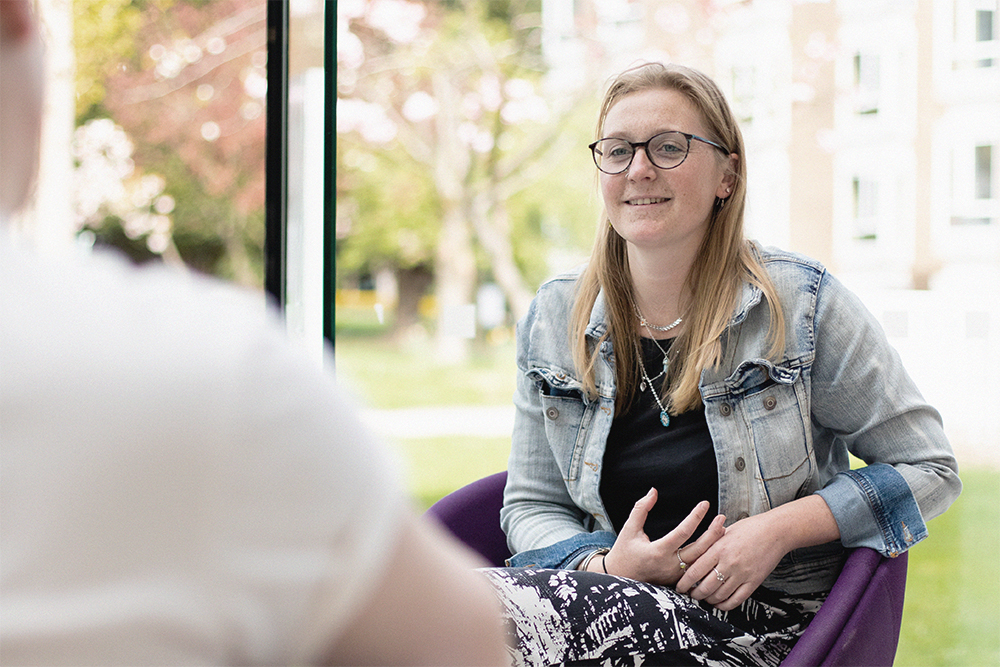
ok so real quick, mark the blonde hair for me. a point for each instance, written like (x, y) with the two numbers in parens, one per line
(726, 259)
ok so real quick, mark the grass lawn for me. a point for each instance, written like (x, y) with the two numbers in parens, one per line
(951, 614)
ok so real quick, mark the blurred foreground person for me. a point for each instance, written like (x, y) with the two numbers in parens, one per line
(178, 484)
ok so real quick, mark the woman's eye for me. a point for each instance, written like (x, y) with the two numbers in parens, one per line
(620, 150)
(669, 148)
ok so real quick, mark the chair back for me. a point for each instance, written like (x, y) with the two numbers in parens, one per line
(859, 622)
(472, 514)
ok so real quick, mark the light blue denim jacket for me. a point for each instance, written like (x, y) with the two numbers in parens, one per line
(780, 430)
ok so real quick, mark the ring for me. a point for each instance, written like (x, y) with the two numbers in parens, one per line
(680, 560)
(718, 575)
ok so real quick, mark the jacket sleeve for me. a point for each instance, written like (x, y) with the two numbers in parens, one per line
(538, 512)
(862, 396)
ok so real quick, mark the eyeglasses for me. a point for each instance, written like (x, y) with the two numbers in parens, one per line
(666, 151)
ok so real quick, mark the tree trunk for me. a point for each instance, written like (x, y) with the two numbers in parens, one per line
(412, 284)
(492, 227)
(455, 272)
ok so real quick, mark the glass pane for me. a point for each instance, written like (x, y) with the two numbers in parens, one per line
(156, 116)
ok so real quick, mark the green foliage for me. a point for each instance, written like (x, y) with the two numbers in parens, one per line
(512, 173)
(391, 216)
(560, 207)
(104, 41)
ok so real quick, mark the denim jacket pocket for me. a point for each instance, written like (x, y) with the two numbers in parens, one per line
(774, 401)
(566, 415)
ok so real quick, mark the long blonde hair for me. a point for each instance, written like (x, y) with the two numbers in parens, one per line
(726, 259)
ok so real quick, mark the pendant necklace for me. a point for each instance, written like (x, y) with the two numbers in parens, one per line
(664, 415)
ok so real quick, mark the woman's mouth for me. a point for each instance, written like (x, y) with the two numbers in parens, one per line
(646, 201)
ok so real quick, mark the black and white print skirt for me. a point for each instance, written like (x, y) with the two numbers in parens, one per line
(568, 617)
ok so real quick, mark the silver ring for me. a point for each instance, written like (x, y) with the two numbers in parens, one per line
(718, 575)
(680, 560)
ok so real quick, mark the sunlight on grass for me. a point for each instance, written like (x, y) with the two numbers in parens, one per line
(384, 377)
(438, 466)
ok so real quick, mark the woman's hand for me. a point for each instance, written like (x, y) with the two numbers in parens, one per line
(731, 568)
(635, 556)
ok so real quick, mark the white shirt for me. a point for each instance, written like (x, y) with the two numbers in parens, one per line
(178, 484)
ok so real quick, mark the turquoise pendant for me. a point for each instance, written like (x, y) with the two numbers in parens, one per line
(664, 418)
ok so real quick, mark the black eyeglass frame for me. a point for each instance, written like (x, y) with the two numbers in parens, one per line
(645, 146)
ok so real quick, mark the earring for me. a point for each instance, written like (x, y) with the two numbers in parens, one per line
(719, 203)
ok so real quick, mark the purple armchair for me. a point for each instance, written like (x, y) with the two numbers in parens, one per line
(857, 625)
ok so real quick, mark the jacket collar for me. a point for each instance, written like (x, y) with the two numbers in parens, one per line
(598, 324)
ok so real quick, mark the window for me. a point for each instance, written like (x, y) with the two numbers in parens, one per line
(975, 39)
(974, 190)
(984, 32)
(865, 206)
(984, 172)
(866, 83)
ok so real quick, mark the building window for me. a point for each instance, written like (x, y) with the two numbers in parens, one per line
(975, 34)
(866, 83)
(984, 32)
(984, 172)
(865, 206)
(974, 186)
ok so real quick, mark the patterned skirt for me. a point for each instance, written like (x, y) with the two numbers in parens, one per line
(568, 617)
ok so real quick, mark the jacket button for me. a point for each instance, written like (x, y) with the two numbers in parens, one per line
(770, 402)
(725, 409)
(552, 413)
(740, 464)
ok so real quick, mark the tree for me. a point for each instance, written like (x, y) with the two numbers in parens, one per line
(450, 92)
(186, 81)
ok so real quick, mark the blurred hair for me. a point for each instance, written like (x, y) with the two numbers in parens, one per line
(726, 259)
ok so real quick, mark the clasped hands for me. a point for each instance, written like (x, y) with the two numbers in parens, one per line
(723, 566)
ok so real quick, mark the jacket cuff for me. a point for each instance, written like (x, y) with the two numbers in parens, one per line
(875, 508)
(564, 555)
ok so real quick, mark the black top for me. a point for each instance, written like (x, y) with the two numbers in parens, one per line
(679, 460)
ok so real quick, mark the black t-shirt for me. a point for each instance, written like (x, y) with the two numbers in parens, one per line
(679, 460)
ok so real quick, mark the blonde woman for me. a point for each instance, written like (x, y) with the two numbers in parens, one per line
(679, 486)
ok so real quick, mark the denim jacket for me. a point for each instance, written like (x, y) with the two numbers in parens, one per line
(781, 430)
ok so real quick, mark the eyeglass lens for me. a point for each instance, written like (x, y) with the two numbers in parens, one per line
(666, 150)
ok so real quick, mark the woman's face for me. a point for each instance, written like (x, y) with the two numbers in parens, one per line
(652, 207)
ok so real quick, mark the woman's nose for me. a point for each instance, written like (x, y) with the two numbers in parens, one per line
(641, 167)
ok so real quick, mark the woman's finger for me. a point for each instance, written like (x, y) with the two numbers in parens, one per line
(685, 529)
(636, 522)
(736, 598)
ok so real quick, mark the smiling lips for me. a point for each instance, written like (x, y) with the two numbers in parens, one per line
(646, 201)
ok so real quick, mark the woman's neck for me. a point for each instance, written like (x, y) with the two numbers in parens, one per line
(660, 282)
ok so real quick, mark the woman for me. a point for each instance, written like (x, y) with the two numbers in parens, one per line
(685, 408)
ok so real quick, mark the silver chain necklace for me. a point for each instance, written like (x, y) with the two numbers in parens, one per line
(645, 323)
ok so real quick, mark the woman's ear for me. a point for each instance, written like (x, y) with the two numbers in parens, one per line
(728, 183)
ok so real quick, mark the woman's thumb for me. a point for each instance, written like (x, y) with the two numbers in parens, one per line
(637, 517)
